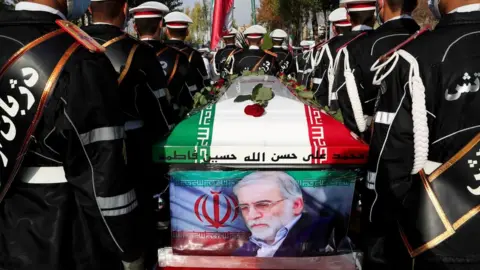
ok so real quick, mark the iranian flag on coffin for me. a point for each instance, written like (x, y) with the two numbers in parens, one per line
(289, 132)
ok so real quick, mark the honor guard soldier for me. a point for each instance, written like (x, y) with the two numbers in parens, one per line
(69, 203)
(177, 30)
(144, 96)
(176, 67)
(424, 153)
(361, 14)
(223, 54)
(303, 62)
(358, 101)
(254, 59)
(326, 52)
(284, 57)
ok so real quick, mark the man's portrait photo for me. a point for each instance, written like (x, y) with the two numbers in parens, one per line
(273, 208)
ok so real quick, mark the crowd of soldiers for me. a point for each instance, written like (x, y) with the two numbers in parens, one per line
(90, 107)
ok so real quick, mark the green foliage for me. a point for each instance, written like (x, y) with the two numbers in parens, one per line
(200, 25)
(260, 95)
(267, 42)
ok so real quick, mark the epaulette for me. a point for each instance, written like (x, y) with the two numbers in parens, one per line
(271, 53)
(80, 36)
(405, 42)
(352, 40)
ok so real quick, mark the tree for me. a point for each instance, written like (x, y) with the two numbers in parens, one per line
(268, 14)
(173, 5)
(199, 27)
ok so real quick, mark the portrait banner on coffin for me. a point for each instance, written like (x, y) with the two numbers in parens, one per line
(261, 213)
(26, 85)
(448, 200)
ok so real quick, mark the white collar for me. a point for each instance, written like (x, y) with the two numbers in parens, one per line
(361, 27)
(147, 38)
(103, 23)
(253, 47)
(29, 6)
(466, 8)
(176, 39)
(403, 16)
(276, 46)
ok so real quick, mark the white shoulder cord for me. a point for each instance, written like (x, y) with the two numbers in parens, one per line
(352, 91)
(419, 110)
(214, 64)
(231, 58)
(331, 75)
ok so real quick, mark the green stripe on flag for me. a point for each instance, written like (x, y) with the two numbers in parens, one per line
(230, 178)
(192, 135)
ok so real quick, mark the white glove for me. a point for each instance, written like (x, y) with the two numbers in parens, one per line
(135, 265)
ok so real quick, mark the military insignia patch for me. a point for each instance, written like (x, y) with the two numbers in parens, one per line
(83, 38)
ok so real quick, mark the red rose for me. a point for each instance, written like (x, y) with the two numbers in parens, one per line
(221, 82)
(254, 110)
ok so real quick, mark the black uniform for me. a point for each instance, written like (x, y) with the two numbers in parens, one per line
(321, 80)
(448, 65)
(285, 61)
(199, 72)
(304, 67)
(148, 113)
(177, 69)
(221, 56)
(362, 55)
(253, 60)
(339, 78)
(86, 217)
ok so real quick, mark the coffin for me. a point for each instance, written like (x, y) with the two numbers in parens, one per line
(294, 171)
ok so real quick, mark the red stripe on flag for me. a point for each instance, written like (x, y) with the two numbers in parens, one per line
(316, 134)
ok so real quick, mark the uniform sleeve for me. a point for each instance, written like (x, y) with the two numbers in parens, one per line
(343, 93)
(391, 152)
(319, 75)
(153, 96)
(94, 162)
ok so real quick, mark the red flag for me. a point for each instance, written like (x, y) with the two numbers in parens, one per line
(222, 20)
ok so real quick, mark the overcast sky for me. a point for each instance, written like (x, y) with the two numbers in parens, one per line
(243, 10)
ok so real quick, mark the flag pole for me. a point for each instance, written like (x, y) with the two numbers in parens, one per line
(254, 12)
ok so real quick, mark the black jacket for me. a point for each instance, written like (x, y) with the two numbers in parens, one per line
(90, 221)
(254, 60)
(285, 61)
(320, 80)
(447, 59)
(197, 66)
(220, 58)
(362, 54)
(182, 82)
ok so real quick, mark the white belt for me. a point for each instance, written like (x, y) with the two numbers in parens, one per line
(43, 175)
(135, 124)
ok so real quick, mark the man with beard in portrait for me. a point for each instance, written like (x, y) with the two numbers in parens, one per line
(275, 216)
